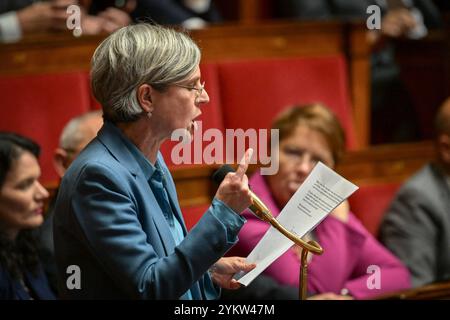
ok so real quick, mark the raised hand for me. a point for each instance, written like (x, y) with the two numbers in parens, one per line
(397, 22)
(234, 190)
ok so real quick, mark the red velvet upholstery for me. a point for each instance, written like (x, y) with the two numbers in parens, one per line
(192, 214)
(370, 203)
(245, 94)
(211, 113)
(38, 106)
(253, 92)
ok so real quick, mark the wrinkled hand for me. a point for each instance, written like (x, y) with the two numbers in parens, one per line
(114, 19)
(329, 296)
(43, 16)
(397, 22)
(106, 21)
(234, 190)
(223, 270)
(92, 25)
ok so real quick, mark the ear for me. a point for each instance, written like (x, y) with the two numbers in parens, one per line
(444, 148)
(60, 161)
(144, 96)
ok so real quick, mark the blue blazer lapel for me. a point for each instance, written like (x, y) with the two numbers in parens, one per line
(111, 137)
(158, 217)
(171, 190)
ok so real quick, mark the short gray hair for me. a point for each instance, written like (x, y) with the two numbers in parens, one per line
(135, 55)
(72, 134)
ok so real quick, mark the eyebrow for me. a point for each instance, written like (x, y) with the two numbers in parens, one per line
(194, 79)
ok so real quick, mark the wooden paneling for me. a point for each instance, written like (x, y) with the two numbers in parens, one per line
(385, 163)
(374, 165)
(435, 291)
(44, 53)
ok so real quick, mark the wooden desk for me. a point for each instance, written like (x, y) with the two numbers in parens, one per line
(435, 291)
(374, 165)
(384, 164)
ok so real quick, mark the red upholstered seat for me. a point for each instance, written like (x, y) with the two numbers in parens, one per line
(38, 106)
(211, 113)
(370, 203)
(253, 92)
(192, 214)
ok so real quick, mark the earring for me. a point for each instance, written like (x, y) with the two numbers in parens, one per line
(149, 114)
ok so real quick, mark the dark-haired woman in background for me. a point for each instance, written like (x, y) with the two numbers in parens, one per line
(21, 206)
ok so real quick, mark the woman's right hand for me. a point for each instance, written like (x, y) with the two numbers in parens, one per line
(234, 190)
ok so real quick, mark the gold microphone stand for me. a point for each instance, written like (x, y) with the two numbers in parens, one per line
(262, 212)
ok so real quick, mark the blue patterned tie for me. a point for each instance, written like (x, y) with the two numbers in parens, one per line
(162, 197)
(157, 185)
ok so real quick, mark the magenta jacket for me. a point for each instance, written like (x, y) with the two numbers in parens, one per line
(349, 249)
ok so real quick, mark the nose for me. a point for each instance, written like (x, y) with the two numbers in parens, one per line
(305, 165)
(203, 98)
(41, 192)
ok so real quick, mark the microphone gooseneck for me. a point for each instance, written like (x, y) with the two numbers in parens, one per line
(259, 209)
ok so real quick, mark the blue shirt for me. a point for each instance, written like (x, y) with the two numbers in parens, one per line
(157, 181)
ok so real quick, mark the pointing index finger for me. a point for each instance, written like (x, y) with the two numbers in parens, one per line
(243, 164)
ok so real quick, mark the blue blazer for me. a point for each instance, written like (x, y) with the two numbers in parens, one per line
(109, 224)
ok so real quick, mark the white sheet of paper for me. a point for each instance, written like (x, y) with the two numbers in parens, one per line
(321, 192)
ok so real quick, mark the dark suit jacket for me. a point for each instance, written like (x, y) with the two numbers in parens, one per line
(108, 223)
(13, 5)
(348, 9)
(416, 227)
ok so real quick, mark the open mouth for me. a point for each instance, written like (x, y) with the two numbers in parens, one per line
(193, 126)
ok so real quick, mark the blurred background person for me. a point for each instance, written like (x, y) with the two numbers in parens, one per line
(28, 16)
(19, 18)
(191, 14)
(416, 227)
(75, 136)
(393, 116)
(106, 16)
(309, 134)
(22, 200)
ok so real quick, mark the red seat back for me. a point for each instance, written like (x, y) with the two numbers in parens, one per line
(370, 203)
(211, 116)
(192, 214)
(38, 106)
(253, 92)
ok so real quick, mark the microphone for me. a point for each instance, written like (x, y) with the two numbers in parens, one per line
(259, 209)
